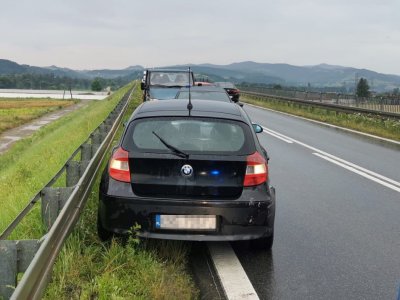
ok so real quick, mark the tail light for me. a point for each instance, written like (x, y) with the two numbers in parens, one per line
(119, 166)
(256, 171)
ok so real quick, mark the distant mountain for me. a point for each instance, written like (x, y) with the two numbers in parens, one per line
(105, 73)
(322, 75)
(10, 67)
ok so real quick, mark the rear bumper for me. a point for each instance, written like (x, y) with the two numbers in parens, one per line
(236, 219)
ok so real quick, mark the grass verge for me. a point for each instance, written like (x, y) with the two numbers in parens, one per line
(387, 128)
(89, 269)
(32, 162)
(15, 112)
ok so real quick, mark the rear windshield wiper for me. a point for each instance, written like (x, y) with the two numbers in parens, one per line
(174, 150)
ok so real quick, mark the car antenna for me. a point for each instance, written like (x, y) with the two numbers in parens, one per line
(189, 106)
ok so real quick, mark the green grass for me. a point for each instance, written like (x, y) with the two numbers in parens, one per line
(387, 128)
(89, 269)
(15, 112)
(32, 162)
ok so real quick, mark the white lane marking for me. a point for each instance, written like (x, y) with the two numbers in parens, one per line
(267, 131)
(359, 172)
(328, 125)
(233, 278)
(340, 159)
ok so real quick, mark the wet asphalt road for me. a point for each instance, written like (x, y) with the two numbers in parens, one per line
(337, 234)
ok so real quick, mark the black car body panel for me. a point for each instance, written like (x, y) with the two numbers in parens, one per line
(250, 217)
(215, 188)
(231, 89)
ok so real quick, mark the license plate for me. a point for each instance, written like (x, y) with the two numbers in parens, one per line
(186, 222)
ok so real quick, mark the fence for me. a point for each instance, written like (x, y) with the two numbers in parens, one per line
(379, 104)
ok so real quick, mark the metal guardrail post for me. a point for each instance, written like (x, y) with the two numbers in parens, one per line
(72, 172)
(53, 200)
(86, 151)
(15, 257)
(96, 141)
(103, 131)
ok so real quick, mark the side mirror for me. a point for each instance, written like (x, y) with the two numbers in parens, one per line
(142, 86)
(257, 128)
(240, 103)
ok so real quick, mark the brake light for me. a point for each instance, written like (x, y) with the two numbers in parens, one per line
(256, 171)
(119, 166)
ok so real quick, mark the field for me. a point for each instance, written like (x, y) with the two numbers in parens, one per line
(15, 112)
(30, 163)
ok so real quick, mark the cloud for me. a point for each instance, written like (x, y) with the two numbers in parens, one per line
(116, 34)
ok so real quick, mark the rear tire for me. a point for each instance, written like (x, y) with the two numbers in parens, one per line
(104, 234)
(264, 243)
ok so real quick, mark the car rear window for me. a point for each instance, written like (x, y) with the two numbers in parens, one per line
(191, 135)
(170, 78)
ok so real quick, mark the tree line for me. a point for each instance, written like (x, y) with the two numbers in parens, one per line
(52, 82)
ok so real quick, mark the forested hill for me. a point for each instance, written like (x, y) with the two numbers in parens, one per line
(322, 75)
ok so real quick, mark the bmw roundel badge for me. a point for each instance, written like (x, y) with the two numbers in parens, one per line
(187, 170)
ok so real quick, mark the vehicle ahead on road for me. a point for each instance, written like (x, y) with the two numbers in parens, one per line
(204, 93)
(159, 84)
(189, 174)
(231, 89)
(203, 83)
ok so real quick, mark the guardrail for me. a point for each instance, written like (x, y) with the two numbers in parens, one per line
(336, 104)
(60, 209)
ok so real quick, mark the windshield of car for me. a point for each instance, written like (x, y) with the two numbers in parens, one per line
(204, 95)
(170, 79)
(191, 135)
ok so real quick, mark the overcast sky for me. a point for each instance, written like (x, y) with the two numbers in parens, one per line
(92, 34)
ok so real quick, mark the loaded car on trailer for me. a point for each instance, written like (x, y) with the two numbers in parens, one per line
(162, 84)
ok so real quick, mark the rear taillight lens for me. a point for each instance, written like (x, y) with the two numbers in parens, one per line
(256, 171)
(119, 166)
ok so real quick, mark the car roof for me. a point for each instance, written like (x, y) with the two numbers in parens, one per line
(207, 88)
(224, 83)
(178, 107)
(167, 70)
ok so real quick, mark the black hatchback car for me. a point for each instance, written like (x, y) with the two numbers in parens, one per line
(231, 89)
(189, 174)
